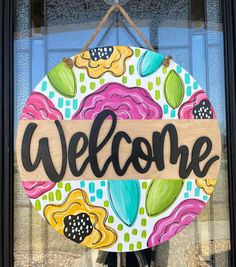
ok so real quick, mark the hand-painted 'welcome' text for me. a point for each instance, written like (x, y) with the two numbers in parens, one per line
(110, 149)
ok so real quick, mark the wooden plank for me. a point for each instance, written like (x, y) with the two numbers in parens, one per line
(188, 132)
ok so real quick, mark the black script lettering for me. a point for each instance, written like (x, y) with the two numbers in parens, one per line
(182, 152)
(115, 153)
(94, 147)
(138, 153)
(141, 149)
(43, 153)
(175, 150)
(197, 157)
(73, 154)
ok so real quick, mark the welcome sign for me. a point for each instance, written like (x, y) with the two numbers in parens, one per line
(118, 149)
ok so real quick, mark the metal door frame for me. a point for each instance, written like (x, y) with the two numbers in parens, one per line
(7, 120)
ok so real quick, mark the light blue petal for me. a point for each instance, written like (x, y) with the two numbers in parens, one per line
(149, 62)
(124, 197)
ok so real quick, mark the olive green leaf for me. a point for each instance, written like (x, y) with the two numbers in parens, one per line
(63, 80)
(174, 89)
(161, 195)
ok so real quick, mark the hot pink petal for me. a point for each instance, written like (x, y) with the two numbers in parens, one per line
(39, 107)
(133, 103)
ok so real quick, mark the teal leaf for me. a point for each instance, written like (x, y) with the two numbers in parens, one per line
(174, 89)
(63, 80)
(149, 62)
(161, 195)
(124, 197)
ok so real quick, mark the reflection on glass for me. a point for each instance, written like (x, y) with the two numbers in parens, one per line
(47, 31)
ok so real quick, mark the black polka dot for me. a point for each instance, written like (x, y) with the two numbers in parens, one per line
(101, 53)
(203, 110)
(77, 227)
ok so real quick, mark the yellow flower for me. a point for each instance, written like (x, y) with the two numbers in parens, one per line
(206, 184)
(81, 221)
(98, 61)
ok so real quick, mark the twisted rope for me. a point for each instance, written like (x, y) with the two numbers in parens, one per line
(117, 7)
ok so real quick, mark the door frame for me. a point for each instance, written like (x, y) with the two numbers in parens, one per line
(229, 26)
(6, 133)
(7, 122)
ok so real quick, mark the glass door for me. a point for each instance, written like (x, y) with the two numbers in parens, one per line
(190, 31)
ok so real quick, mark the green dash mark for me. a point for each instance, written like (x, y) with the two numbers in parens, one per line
(164, 70)
(75, 104)
(106, 203)
(141, 211)
(83, 89)
(37, 205)
(59, 185)
(143, 222)
(67, 187)
(157, 94)
(131, 69)
(44, 197)
(91, 188)
(44, 86)
(102, 183)
(92, 85)
(51, 94)
(137, 52)
(158, 81)
(126, 237)
(58, 195)
(99, 193)
(124, 79)
(110, 219)
(131, 247)
(150, 86)
(120, 227)
(138, 82)
(119, 247)
(139, 245)
(134, 232)
(144, 185)
(143, 234)
(51, 196)
(92, 199)
(81, 77)
(102, 81)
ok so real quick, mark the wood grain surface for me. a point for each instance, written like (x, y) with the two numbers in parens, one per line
(188, 132)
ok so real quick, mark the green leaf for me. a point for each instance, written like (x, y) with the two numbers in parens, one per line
(161, 195)
(63, 80)
(174, 89)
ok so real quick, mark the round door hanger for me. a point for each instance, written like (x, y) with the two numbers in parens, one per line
(117, 152)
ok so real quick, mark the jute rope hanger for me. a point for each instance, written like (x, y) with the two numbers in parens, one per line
(110, 11)
(117, 7)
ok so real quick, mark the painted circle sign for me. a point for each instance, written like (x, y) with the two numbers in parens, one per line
(118, 152)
